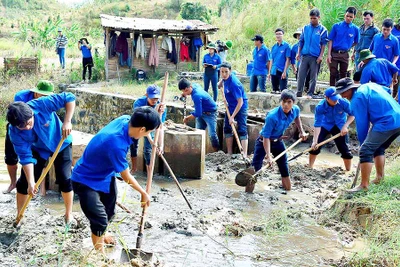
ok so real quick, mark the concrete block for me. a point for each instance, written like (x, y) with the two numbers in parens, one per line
(185, 152)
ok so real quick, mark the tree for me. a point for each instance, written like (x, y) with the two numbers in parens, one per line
(195, 11)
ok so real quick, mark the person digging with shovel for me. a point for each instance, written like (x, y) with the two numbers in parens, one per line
(35, 131)
(270, 139)
(371, 104)
(93, 177)
(332, 116)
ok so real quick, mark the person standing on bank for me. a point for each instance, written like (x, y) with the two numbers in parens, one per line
(312, 44)
(211, 63)
(295, 63)
(237, 105)
(261, 57)
(396, 33)
(385, 44)
(279, 63)
(87, 60)
(94, 175)
(343, 36)
(371, 104)
(332, 116)
(205, 110)
(61, 44)
(35, 131)
(367, 32)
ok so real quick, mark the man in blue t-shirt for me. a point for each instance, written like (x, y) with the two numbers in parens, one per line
(93, 177)
(43, 88)
(205, 110)
(385, 44)
(261, 57)
(153, 94)
(35, 131)
(377, 117)
(237, 105)
(279, 63)
(270, 139)
(396, 33)
(343, 36)
(332, 116)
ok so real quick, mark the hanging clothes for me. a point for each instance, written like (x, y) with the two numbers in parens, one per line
(192, 50)
(113, 42)
(166, 43)
(184, 54)
(141, 47)
(173, 57)
(122, 46)
(153, 55)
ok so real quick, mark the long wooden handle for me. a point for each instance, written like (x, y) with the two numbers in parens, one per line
(41, 178)
(323, 142)
(156, 136)
(228, 114)
(170, 171)
(279, 156)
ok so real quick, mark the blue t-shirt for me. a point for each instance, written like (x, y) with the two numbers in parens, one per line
(371, 104)
(24, 96)
(277, 122)
(260, 59)
(104, 156)
(379, 71)
(312, 39)
(214, 60)
(385, 48)
(293, 53)
(396, 33)
(234, 90)
(46, 132)
(202, 100)
(328, 116)
(279, 55)
(366, 36)
(343, 35)
(86, 53)
(142, 101)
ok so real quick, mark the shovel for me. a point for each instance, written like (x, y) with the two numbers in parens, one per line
(318, 145)
(41, 178)
(246, 160)
(248, 177)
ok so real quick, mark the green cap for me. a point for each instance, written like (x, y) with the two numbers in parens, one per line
(44, 87)
(366, 54)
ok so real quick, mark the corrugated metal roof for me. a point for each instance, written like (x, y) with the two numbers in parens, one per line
(142, 24)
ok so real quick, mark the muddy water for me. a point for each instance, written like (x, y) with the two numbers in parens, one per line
(226, 227)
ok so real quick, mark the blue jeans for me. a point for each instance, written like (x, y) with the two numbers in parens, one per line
(209, 120)
(61, 56)
(146, 151)
(259, 80)
(276, 148)
(241, 119)
(213, 78)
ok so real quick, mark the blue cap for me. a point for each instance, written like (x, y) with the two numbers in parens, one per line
(330, 93)
(153, 91)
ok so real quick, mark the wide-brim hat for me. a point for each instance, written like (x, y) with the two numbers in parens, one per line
(228, 44)
(212, 45)
(344, 85)
(366, 54)
(44, 88)
(298, 31)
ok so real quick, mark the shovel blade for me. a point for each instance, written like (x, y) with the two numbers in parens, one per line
(243, 177)
(129, 254)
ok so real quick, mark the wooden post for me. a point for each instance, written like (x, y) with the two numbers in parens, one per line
(107, 48)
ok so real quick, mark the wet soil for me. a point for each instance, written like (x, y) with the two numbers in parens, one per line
(226, 227)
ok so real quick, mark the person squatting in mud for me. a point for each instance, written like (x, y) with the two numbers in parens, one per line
(238, 106)
(205, 110)
(271, 135)
(153, 94)
(43, 88)
(35, 131)
(371, 105)
(332, 116)
(94, 176)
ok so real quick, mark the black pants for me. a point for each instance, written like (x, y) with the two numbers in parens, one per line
(278, 84)
(10, 157)
(340, 142)
(87, 63)
(62, 165)
(99, 207)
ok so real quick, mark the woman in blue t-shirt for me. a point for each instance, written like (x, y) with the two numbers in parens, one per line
(87, 60)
